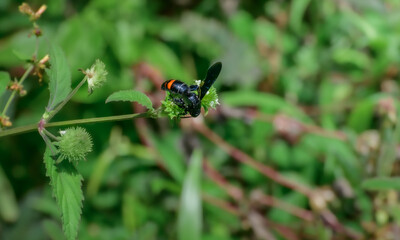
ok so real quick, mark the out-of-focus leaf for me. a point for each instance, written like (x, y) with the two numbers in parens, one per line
(382, 183)
(282, 216)
(21, 56)
(53, 229)
(119, 145)
(66, 183)
(131, 96)
(4, 80)
(267, 102)
(351, 57)
(18, 42)
(133, 211)
(332, 96)
(47, 205)
(242, 25)
(361, 23)
(190, 210)
(388, 150)
(362, 114)
(80, 37)
(280, 154)
(106, 200)
(159, 55)
(266, 31)
(297, 11)
(60, 77)
(8, 204)
(171, 155)
(127, 41)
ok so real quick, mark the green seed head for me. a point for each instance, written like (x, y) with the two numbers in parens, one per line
(74, 144)
(96, 75)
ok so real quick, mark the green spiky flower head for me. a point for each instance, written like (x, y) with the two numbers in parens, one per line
(96, 75)
(74, 144)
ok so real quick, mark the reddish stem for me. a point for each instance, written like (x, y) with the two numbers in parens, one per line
(246, 159)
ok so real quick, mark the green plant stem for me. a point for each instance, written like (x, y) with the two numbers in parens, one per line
(15, 91)
(50, 134)
(61, 105)
(33, 127)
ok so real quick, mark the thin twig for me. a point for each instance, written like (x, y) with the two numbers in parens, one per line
(27, 72)
(33, 127)
(221, 204)
(235, 192)
(246, 159)
(61, 105)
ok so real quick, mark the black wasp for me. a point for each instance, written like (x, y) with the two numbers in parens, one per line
(185, 97)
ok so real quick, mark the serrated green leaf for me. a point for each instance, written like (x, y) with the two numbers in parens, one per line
(131, 96)
(190, 210)
(382, 183)
(66, 185)
(60, 77)
(4, 80)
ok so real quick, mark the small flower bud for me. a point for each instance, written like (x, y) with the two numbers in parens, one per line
(40, 11)
(5, 121)
(74, 144)
(22, 92)
(45, 59)
(96, 75)
(26, 9)
(33, 16)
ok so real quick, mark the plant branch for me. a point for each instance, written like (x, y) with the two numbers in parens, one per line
(61, 105)
(246, 159)
(33, 127)
(27, 72)
(50, 134)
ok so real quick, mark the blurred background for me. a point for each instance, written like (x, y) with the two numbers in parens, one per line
(302, 146)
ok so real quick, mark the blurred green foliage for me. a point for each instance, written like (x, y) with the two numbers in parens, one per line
(308, 88)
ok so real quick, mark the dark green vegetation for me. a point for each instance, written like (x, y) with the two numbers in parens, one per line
(304, 144)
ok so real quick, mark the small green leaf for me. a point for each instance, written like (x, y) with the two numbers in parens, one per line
(131, 96)
(4, 80)
(66, 185)
(190, 210)
(60, 77)
(382, 183)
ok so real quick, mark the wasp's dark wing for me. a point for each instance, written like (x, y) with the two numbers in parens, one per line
(211, 76)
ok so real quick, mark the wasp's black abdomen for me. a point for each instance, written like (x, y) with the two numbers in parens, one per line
(175, 86)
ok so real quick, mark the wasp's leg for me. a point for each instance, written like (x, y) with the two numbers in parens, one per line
(193, 87)
(179, 101)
